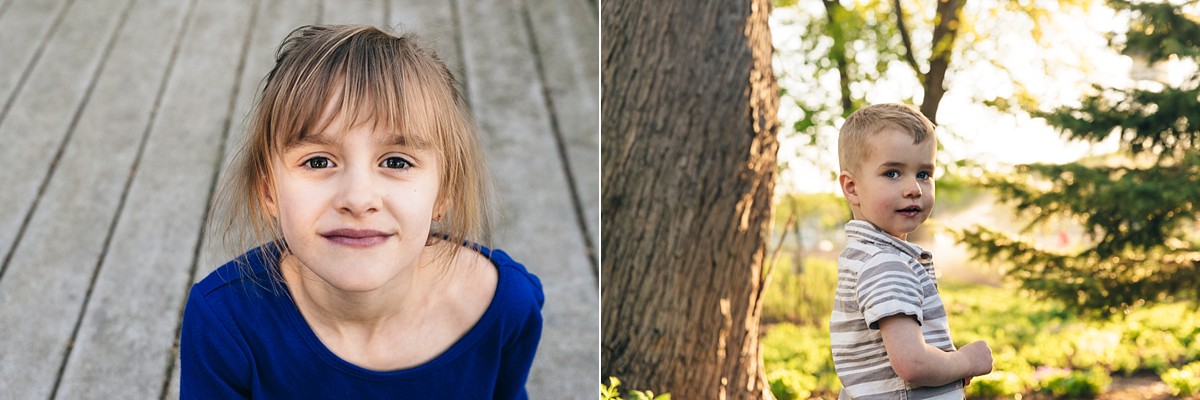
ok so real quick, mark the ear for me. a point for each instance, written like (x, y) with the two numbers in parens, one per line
(268, 198)
(849, 187)
(440, 209)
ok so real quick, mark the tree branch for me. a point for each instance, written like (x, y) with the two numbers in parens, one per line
(905, 37)
(949, 17)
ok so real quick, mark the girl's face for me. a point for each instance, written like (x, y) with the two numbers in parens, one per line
(355, 205)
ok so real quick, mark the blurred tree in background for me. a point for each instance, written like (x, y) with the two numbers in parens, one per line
(864, 42)
(1138, 209)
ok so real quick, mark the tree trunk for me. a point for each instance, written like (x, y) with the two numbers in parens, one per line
(688, 147)
(945, 32)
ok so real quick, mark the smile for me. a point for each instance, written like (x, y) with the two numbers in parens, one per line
(356, 237)
(910, 211)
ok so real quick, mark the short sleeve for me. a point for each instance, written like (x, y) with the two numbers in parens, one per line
(888, 286)
(213, 361)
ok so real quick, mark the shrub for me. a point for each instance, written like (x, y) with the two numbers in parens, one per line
(996, 384)
(1090, 383)
(610, 392)
(791, 385)
(804, 350)
(1183, 381)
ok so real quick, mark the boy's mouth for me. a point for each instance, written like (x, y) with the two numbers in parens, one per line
(910, 211)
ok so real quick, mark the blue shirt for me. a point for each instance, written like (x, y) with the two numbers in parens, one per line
(243, 337)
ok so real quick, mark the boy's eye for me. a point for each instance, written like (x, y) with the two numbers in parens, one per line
(396, 163)
(317, 163)
(893, 174)
(923, 175)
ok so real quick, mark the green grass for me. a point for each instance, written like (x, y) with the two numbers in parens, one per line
(1038, 346)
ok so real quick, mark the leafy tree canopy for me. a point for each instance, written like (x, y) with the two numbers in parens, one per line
(1139, 208)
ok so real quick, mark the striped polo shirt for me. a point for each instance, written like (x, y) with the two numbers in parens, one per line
(880, 275)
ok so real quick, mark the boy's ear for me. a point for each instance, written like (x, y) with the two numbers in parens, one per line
(849, 188)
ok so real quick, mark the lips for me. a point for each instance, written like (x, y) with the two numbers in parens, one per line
(910, 211)
(356, 237)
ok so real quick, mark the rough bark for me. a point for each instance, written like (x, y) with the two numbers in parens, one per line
(688, 158)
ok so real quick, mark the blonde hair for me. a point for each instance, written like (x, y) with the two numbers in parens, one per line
(870, 120)
(366, 75)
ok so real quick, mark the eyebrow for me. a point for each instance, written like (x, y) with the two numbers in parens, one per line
(897, 164)
(396, 140)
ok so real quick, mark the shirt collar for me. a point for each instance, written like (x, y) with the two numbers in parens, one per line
(865, 231)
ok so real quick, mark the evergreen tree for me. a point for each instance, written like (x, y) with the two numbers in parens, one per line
(1139, 209)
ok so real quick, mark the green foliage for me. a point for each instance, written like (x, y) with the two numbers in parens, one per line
(803, 350)
(1158, 121)
(1160, 30)
(855, 42)
(1076, 384)
(997, 384)
(1038, 346)
(801, 297)
(824, 210)
(787, 384)
(1184, 381)
(610, 392)
(1139, 214)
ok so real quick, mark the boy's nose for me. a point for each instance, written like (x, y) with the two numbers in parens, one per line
(913, 189)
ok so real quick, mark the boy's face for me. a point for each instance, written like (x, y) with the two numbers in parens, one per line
(893, 186)
(355, 205)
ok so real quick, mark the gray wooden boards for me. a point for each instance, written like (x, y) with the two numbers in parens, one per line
(117, 118)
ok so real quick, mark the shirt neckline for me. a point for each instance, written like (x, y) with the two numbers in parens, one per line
(869, 232)
(459, 348)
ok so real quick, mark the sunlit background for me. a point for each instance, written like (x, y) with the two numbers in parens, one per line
(1010, 58)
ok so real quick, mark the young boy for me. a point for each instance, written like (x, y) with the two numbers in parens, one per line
(889, 332)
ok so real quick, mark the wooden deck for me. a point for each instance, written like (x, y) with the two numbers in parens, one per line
(117, 117)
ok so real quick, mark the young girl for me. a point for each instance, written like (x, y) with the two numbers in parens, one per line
(363, 179)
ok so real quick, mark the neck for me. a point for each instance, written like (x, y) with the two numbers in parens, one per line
(403, 297)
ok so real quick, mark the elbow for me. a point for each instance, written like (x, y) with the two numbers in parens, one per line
(915, 372)
(908, 372)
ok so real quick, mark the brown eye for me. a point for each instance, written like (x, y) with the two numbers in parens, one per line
(396, 163)
(317, 163)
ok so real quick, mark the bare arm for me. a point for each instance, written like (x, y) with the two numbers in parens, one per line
(921, 364)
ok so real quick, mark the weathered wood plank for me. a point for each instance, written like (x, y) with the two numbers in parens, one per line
(567, 40)
(29, 23)
(154, 241)
(45, 105)
(434, 22)
(539, 226)
(275, 19)
(370, 12)
(50, 272)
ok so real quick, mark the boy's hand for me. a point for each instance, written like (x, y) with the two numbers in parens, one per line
(980, 357)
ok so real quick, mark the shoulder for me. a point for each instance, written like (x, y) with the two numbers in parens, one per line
(516, 282)
(237, 287)
(249, 268)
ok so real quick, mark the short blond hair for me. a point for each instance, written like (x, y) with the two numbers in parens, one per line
(860, 126)
(368, 76)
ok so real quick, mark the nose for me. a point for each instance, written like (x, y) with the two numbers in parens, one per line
(913, 189)
(357, 195)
